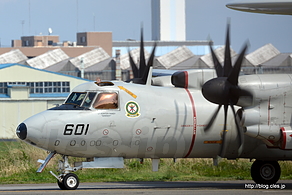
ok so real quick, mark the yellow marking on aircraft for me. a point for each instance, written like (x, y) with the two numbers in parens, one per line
(129, 92)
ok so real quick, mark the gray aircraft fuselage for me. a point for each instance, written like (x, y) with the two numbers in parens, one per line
(163, 122)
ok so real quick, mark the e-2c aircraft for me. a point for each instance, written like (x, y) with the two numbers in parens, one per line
(172, 116)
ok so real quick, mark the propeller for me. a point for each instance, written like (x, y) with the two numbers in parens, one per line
(224, 90)
(141, 73)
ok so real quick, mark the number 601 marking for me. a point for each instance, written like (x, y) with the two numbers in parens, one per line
(79, 129)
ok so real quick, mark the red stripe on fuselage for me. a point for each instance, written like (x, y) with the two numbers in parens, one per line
(194, 115)
(284, 138)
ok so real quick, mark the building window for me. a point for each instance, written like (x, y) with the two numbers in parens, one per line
(49, 87)
(65, 87)
(57, 87)
(50, 42)
(25, 43)
(3, 88)
(83, 39)
(39, 87)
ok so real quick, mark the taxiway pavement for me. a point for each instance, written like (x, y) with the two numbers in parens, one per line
(150, 188)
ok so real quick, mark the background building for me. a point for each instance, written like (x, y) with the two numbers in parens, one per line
(25, 91)
(39, 41)
(168, 20)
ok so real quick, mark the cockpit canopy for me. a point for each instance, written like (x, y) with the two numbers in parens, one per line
(90, 100)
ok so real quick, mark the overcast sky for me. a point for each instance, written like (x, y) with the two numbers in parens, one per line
(204, 18)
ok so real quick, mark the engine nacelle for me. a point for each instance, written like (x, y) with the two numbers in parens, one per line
(249, 117)
(270, 133)
(286, 141)
(192, 78)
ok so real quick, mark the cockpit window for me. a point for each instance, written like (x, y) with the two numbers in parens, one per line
(88, 100)
(106, 100)
(76, 98)
(81, 99)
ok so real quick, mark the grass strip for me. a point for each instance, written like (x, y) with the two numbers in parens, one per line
(18, 164)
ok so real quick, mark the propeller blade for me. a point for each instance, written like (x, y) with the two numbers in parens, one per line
(224, 90)
(210, 123)
(233, 77)
(133, 66)
(142, 72)
(151, 59)
(223, 145)
(217, 65)
(149, 63)
(142, 64)
(239, 130)
(227, 56)
(225, 117)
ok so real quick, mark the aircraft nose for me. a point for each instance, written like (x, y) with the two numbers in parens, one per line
(21, 131)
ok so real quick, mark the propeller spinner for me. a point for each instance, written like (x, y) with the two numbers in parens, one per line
(141, 73)
(224, 90)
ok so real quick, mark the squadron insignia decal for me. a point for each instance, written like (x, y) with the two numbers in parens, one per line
(132, 109)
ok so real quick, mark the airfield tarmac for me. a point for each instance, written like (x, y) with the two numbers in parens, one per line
(149, 188)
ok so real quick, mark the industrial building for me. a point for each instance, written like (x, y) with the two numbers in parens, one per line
(25, 91)
(175, 55)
